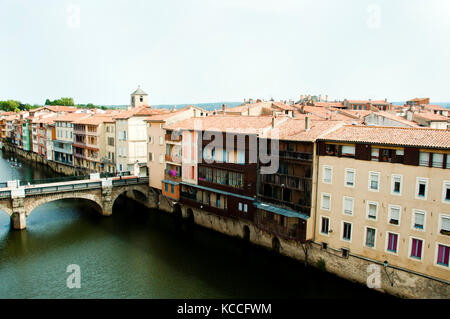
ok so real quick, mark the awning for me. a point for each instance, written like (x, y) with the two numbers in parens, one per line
(170, 182)
(280, 211)
(218, 191)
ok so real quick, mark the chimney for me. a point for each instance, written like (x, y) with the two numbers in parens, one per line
(326, 98)
(307, 123)
(273, 122)
(301, 97)
(385, 100)
(224, 107)
(320, 97)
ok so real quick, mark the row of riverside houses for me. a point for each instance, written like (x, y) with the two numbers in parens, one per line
(347, 185)
(354, 194)
(86, 140)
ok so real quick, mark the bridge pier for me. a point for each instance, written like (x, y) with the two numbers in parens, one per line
(18, 221)
(107, 203)
(18, 216)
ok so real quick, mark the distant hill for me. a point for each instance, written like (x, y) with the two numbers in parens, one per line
(206, 106)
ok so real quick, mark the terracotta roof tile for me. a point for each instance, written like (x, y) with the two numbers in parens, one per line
(420, 137)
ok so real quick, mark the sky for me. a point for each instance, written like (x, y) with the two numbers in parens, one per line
(194, 51)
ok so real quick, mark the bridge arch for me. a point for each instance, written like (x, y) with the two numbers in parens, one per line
(139, 192)
(6, 207)
(36, 201)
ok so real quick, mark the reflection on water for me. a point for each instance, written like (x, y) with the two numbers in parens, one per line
(142, 253)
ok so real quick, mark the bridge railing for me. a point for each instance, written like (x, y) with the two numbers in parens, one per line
(61, 188)
(54, 180)
(5, 194)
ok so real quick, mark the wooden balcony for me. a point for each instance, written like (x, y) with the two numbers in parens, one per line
(173, 158)
(172, 175)
(168, 138)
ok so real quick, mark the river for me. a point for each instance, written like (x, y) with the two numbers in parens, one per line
(142, 253)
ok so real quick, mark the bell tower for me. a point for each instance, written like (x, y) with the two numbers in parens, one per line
(139, 98)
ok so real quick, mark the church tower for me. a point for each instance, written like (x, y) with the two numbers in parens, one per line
(139, 98)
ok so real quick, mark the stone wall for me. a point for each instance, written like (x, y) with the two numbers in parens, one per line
(34, 157)
(353, 268)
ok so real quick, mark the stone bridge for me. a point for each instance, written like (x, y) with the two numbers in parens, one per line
(19, 201)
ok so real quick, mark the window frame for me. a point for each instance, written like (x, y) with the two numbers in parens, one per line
(445, 186)
(390, 206)
(436, 253)
(393, 176)
(365, 237)
(321, 223)
(321, 201)
(419, 181)
(343, 205)
(354, 177)
(413, 219)
(370, 181)
(411, 238)
(441, 216)
(387, 243)
(368, 210)
(342, 231)
(331, 175)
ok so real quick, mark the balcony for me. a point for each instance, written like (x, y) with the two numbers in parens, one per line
(293, 182)
(294, 232)
(106, 160)
(173, 158)
(168, 138)
(172, 175)
(296, 155)
(287, 204)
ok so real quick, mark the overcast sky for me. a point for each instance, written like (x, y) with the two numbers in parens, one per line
(191, 51)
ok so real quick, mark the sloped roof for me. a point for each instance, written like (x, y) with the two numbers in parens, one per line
(139, 91)
(420, 137)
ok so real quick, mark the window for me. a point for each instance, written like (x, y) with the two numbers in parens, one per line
(245, 208)
(375, 154)
(166, 187)
(240, 207)
(325, 224)
(150, 140)
(345, 252)
(374, 179)
(326, 201)
(446, 192)
(444, 222)
(346, 231)
(125, 151)
(438, 160)
(418, 222)
(161, 140)
(421, 188)
(416, 248)
(370, 237)
(348, 150)
(394, 215)
(396, 184)
(327, 174)
(372, 208)
(348, 205)
(349, 177)
(424, 158)
(150, 157)
(172, 188)
(161, 158)
(442, 255)
(392, 242)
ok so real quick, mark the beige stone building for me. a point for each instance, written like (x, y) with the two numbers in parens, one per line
(164, 153)
(384, 194)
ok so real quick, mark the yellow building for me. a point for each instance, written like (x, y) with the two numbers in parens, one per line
(384, 194)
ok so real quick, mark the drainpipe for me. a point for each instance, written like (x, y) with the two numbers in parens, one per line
(317, 186)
